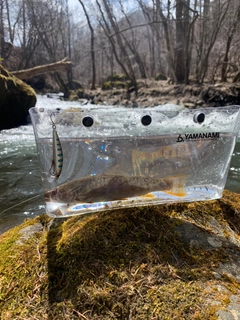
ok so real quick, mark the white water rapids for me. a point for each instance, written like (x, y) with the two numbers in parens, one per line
(19, 170)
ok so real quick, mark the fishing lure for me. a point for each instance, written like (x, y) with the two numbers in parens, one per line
(57, 160)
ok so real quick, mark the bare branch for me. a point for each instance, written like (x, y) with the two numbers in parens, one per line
(62, 65)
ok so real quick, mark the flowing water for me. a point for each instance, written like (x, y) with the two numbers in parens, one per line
(20, 176)
(19, 171)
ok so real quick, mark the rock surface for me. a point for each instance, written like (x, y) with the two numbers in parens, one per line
(176, 261)
(16, 98)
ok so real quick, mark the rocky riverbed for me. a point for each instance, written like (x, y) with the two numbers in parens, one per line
(153, 93)
(179, 261)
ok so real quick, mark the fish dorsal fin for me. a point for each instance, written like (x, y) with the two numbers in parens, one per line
(116, 171)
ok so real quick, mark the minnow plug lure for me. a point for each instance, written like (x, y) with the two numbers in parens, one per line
(57, 160)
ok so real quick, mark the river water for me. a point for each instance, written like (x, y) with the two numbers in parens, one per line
(20, 176)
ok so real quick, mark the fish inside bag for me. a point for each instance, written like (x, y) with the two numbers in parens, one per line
(94, 159)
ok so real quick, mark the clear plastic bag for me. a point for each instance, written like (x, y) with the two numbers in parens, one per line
(94, 159)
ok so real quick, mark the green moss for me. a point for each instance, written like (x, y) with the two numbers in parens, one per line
(110, 85)
(22, 274)
(117, 81)
(16, 98)
(160, 76)
(129, 263)
(106, 85)
(117, 77)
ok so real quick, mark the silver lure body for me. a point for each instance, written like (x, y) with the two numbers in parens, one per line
(57, 161)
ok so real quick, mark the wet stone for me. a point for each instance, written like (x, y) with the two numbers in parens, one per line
(214, 242)
(29, 231)
(231, 269)
(193, 235)
(190, 105)
(225, 315)
(233, 310)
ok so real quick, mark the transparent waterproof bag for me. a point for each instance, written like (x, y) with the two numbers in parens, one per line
(102, 158)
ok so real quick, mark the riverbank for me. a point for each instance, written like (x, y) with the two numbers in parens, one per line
(179, 261)
(153, 93)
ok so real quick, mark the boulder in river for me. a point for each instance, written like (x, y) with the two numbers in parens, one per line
(16, 98)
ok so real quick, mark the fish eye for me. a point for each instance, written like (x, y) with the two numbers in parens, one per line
(87, 121)
(146, 120)
(199, 117)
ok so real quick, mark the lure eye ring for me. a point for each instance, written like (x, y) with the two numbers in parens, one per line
(88, 121)
(146, 120)
(199, 117)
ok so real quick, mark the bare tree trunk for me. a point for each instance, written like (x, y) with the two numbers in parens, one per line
(228, 45)
(128, 70)
(69, 72)
(10, 29)
(2, 34)
(180, 45)
(184, 27)
(132, 47)
(152, 43)
(169, 41)
(92, 47)
(189, 39)
(62, 84)
(209, 40)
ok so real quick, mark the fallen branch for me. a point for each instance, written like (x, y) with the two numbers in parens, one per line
(62, 65)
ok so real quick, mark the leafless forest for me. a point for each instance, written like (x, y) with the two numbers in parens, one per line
(183, 39)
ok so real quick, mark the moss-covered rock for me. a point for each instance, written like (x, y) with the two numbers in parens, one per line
(160, 77)
(107, 85)
(110, 85)
(115, 77)
(177, 261)
(116, 80)
(16, 98)
(74, 85)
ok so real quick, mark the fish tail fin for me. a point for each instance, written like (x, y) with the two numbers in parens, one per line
(149, 195)
(177, 186)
